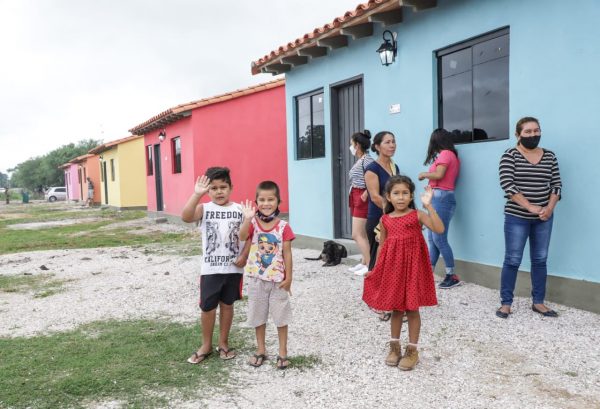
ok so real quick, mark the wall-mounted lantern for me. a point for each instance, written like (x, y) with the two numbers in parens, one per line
(388, 49)
(162, 135)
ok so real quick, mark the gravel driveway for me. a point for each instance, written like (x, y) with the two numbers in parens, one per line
(469, 358)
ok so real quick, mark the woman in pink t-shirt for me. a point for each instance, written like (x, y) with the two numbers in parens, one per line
(444, 169)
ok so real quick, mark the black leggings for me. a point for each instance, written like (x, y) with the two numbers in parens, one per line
(373, 244)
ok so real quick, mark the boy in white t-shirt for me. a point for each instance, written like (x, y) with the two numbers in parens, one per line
(268, 270)
(221, 274)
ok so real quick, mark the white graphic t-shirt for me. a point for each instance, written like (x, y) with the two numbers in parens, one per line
(221, 244)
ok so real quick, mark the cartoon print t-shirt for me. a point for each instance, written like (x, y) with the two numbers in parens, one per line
(265, 260)
(221, 244)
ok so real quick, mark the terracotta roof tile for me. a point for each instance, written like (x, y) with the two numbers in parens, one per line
(173, 114)
(345, 20)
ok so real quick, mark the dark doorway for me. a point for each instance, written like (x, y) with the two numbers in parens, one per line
(105, 182)
(81, 181)
(158, 179)
(347, 117)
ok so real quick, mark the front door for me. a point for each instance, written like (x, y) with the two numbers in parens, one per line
(158, 178)
(105, 182)
(347, 113)
(80, 184)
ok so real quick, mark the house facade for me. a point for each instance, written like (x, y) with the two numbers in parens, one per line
(88, 165)
(244, 130)
(473, 67)
(121, 168)
(72, 180)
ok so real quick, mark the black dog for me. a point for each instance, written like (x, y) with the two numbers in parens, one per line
(332, 253)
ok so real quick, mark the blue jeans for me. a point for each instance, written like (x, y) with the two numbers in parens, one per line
(444, 203)
(516, 232)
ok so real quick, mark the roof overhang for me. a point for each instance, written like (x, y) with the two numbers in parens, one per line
(352, 25)
(110, 145)
(184, 110)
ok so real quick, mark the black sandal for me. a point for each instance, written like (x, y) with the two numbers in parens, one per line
(385, 316)
(501, 314)
(280, 362)
(225, 351)
(259, 359)
(547, 313)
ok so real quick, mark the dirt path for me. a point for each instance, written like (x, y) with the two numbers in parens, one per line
(469, 358)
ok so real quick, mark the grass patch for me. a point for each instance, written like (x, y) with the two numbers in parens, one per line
(42, 284)
(46, 213)
(132, 361)
(83, 235)
(304, 361)
(89, 234)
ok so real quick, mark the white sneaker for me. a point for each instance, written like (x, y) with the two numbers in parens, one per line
(356, 267)
(364, 270)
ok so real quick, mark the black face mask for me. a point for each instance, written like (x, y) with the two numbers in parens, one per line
(530, 142)
(268, 218)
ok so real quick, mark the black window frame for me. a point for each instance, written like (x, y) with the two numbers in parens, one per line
(469, 44)
(176, 155)
(149, 160)
(297, 99)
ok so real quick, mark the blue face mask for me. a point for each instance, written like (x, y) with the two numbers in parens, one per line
(266, 259)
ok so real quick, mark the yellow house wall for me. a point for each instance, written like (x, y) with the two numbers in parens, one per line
(114, 191)
(132, 173)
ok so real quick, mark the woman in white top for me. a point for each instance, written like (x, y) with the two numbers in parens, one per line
(358, 200)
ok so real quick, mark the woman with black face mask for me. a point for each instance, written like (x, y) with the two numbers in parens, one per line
(530, 178)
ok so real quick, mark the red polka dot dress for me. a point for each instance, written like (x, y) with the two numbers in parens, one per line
(402, 279)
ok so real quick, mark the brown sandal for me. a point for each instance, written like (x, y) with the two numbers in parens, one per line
(196, 358)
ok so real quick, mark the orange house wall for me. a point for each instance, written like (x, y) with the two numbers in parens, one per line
(92, 170)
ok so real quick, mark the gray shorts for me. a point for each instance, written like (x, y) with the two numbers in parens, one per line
(90, 194)
(265, 296)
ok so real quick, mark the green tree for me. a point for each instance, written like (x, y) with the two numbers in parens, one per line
(44, 171)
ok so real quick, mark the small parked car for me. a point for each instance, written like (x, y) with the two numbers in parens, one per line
(56, 193)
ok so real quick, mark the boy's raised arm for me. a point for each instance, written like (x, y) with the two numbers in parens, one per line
(192, 211)
(248, 211)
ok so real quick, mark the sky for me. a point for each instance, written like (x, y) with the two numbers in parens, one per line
(80, 69)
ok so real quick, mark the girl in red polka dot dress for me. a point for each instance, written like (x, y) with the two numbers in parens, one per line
(402, 279)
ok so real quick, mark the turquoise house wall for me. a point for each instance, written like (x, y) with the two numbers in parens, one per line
(554, 55)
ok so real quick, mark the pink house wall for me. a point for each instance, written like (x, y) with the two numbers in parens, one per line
(176, 187)
(246, 134)
(72, 182)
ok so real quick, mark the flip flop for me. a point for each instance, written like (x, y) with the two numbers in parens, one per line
(281, 362)
(225, 351)
(385, 316)
(259, 359)
(196, 358)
